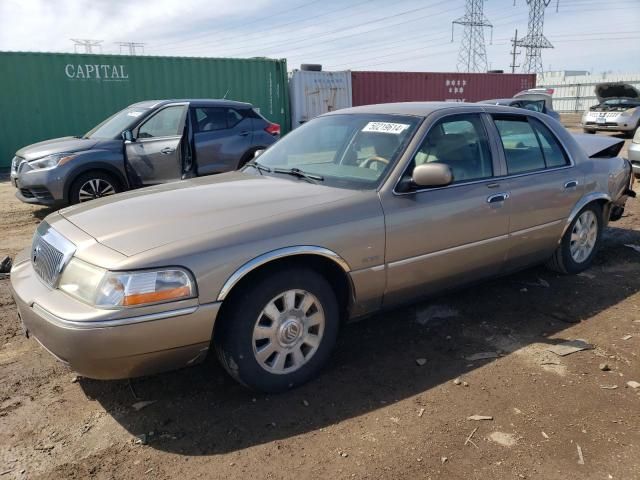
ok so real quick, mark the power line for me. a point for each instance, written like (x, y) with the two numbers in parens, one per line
(472, 56)
(514, 52)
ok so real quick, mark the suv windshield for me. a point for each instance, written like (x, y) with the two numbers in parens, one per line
(348, 151)
(113, 126)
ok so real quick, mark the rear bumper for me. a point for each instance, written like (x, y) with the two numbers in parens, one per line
(117, 347)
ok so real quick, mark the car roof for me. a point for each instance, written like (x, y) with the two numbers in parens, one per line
(210, 102)
(499, 101)
(419, 109)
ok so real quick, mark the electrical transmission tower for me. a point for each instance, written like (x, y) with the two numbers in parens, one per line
(132, 46)
(534, 41)
(472, 56)
(87, 44)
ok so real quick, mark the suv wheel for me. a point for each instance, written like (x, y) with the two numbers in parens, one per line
(279, 330)
(580, 242)
(92, 185)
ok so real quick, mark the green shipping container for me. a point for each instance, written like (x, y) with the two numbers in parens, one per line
(49, 95)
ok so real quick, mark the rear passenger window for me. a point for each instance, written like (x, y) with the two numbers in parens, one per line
(521, 148)
(210, 119)
(554, 154)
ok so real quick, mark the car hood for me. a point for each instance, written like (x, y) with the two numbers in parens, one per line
(140, 220)
(56, 145)
(608, 90)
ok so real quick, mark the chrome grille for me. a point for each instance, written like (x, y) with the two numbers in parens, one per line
(47, 260)
(50, 253)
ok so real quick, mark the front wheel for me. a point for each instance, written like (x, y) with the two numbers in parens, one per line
(279, 331)
(580, 242)
(92, 185)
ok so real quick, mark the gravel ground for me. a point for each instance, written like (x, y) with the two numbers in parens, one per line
(374, 413)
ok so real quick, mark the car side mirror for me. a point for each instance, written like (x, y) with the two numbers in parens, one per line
(432, 175)
(257, 153)
(127, 136)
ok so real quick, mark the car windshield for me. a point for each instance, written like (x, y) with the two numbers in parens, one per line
(348, 151)
(113, 126)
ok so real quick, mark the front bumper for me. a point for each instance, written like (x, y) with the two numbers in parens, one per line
(99, 344)
(611, 124)
(634, 158)
(39, 187)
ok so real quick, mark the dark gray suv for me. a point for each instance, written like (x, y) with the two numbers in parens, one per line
(147, 143)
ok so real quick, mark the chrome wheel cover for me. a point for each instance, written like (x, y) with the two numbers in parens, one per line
(584, 236)
(95, 188)
(288, 331)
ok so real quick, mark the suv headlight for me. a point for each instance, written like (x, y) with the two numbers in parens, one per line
(102, 288)
(52, 160)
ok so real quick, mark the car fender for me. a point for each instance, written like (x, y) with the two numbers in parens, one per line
(276, 255)
(86, 164)
(584, 201)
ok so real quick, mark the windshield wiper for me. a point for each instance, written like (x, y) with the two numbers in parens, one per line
(258, 166)
(296, 172)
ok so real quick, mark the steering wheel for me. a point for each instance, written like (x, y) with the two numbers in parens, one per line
(374, 158)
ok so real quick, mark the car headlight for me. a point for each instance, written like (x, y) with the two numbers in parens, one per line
(52, 160)
(628, 112)
(103, 288)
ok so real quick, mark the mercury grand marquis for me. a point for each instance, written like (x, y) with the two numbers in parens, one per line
(358, 210)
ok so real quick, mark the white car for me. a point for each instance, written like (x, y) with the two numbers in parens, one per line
(618, 109)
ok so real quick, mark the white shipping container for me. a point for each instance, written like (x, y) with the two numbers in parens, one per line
(314, 93)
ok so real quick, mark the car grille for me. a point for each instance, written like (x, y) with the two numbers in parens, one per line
(50, 252)
(39, 193)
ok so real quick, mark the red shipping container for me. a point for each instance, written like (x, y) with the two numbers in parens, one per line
(384, 87)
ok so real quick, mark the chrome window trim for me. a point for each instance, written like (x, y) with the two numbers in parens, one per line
(93, 324)
(572, 163)
(275, 255)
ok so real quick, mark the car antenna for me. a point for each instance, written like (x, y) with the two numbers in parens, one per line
(225, 94)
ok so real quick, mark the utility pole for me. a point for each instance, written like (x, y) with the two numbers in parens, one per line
(132, 46)
(514, 52)
(87, 44)
(534, 41)
(472, 56)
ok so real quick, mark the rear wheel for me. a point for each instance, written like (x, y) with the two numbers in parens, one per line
(580, 242)
(279, 331)
(92, 185)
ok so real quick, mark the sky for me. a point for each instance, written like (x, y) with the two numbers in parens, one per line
(408, 35)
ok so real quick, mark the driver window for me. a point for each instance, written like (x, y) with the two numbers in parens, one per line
(461, 142)
(166, 123)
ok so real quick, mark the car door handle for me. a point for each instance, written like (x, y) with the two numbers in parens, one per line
(167, 150)
(571, 184)
(243, 134)
(498, 197)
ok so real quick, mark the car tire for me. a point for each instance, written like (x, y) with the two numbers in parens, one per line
(248, 156)
(580, 242)
(586, 130)
(91, 185)
(274, 350)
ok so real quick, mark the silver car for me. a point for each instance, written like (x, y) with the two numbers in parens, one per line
(618, 109)
(535, 99)
(147, 143)
(358, 210)
(634, 153)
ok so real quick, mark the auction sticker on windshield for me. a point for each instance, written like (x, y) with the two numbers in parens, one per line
(385, 127)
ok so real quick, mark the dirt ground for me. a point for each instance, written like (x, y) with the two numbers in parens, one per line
(374, 412)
